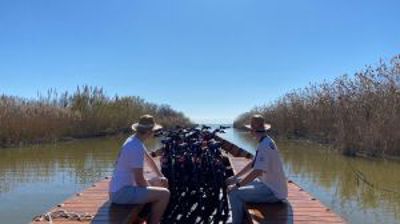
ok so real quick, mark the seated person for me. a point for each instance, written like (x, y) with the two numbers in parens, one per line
(264, 180)
(128, 185)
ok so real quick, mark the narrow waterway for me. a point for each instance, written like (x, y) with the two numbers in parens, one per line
(34, 179)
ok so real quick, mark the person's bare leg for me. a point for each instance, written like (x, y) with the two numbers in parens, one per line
(159, 198)
(156, 181)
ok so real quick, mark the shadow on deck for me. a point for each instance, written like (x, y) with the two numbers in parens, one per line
(277, 213)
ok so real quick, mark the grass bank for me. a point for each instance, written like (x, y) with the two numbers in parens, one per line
(87, 112)
(358, 114)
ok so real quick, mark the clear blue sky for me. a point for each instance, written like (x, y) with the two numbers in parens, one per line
(211, 59)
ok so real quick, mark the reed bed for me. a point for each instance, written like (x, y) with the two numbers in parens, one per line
(358, 114)
(87, 112)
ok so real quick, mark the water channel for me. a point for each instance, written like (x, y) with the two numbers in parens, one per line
(36, 178)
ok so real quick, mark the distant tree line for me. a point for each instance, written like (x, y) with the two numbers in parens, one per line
(358, 114)
(87, 112)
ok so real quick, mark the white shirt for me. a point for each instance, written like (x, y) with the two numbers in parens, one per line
(130, 157)
(269, 161)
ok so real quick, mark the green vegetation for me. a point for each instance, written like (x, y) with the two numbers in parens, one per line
(358, 115)
(87, 112)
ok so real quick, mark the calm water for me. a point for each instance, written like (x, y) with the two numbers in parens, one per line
(34, 179)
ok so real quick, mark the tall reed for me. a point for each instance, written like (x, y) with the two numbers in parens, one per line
(358, 114)
(86, 112)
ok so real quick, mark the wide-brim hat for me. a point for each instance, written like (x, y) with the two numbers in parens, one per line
(146, 122)
(257, 123)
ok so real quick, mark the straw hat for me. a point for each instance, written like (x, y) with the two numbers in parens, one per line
(146, 122)
(257, 123)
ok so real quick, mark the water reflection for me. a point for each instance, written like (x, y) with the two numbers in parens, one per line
(36, 178)
(331, 177)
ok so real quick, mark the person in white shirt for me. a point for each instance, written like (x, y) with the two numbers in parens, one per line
(128, 185)
(262, 180)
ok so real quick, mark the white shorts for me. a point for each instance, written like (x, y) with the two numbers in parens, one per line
(130, 195)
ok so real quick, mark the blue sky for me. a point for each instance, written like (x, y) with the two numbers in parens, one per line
(211, 59)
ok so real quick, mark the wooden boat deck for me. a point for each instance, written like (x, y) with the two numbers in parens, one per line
(94, 201)
(301, 207)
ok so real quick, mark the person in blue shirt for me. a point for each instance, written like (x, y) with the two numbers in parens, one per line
(128, 185)
(262, 180)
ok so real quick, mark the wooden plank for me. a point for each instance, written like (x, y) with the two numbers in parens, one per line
(95, 201)
(300, 207)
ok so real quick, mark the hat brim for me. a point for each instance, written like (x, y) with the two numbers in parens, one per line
(137, 126)
(266, 127)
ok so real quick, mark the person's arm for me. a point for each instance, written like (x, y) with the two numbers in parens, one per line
(260, 166)
(250, 177)
(139, 177)
(233, 179)
(153, 165)
(247, 179)
(134, 157)
(244, 170)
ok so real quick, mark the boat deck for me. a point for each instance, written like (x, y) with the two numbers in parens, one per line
(94, 202)
(300, 207)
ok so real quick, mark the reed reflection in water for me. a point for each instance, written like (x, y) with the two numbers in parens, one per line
(34, 179)
(337, 180)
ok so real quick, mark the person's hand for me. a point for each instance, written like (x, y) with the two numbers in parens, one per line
(164, 182)
(231, 180)
(159, 181)
(231, 188)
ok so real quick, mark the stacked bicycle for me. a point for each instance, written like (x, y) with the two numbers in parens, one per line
(196, 168)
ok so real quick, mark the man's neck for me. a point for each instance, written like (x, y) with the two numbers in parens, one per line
(260, 137)
(142, 138)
